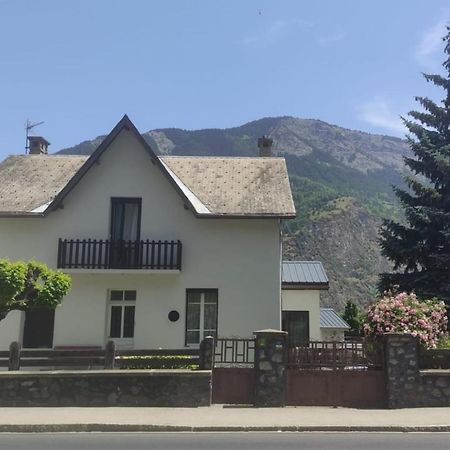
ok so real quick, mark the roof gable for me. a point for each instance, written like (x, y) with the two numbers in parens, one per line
(212, 187)
(124, 123)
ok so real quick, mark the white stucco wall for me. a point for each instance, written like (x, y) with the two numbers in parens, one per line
(11, 328)
(239, 257)
(304, 300)
(332, 334)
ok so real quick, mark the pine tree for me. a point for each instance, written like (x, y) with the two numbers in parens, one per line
(420, 249)
(353, 316)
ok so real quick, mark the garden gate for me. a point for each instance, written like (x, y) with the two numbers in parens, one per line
(335, 374)
(233, 372)
(317, 374)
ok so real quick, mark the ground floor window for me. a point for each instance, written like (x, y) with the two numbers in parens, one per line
(296, 323)
(38, 328)
(201, 314)
(122, 305)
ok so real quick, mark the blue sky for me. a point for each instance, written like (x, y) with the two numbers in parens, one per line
(80, 65)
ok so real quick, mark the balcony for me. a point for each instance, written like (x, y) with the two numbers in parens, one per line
(99, 255)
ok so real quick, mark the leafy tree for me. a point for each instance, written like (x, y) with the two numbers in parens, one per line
(30, 285)
(353, 316)
(420, 247)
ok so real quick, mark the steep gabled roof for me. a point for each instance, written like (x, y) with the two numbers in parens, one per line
(236, 186)
(209, 186)
(28, 183)
(124, 123)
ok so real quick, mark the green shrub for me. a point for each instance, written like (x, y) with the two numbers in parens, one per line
(157, 362)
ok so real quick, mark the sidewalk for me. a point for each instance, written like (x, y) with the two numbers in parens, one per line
(222, 418)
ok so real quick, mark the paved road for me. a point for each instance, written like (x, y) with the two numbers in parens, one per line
(222, 441)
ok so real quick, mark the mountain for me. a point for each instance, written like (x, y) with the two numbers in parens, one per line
(346, 240)
(341, 182)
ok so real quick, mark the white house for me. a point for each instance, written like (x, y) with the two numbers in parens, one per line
(162, 250)
(302, 316)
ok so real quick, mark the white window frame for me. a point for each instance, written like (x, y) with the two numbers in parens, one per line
(120, 341)
(203, 301)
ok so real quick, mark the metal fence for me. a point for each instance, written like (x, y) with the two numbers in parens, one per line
(235, 352)
(96, 358)
(434, 358)
(352, 355)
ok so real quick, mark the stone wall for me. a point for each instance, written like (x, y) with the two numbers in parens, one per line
(406, 385)
(402, 370)
(435, 387)
(270, 374)
(181, 388)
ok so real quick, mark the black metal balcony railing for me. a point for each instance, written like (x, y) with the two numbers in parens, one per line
(106, 254)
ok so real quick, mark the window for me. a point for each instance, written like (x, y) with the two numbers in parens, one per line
(125, 219)
(201, 314)
(121, 316)
(125, 232)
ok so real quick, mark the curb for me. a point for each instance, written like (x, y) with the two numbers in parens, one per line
(132, 428)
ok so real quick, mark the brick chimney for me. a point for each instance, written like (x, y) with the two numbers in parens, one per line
(265, 146)
(37, 145)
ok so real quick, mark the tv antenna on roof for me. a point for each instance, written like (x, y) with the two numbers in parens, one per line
(29, 126)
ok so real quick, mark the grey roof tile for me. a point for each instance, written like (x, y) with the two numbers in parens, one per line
(226, 186)
(29, 181)
(236, 185)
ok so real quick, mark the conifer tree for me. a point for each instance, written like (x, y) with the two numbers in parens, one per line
(353, 316)
(420, 247)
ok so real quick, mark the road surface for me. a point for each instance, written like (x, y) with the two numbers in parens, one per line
(222, 441)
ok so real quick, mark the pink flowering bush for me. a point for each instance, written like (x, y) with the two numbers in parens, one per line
(404, 313)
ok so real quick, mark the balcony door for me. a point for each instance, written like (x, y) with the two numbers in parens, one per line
(125, 232)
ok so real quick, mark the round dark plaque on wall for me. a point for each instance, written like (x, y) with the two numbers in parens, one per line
(174, 316)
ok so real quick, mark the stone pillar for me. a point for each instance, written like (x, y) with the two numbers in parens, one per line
(206, 354)
(110, 355)
(14, 356)
(269, 368)
(403, 387)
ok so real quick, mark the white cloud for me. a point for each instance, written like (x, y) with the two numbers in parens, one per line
(275, 31)
(429, 48)
(331, 38)
(282, 28)
(378, 113)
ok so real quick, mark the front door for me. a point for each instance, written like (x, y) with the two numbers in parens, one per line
(38, 328)
(296, 323)
(125, 232)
